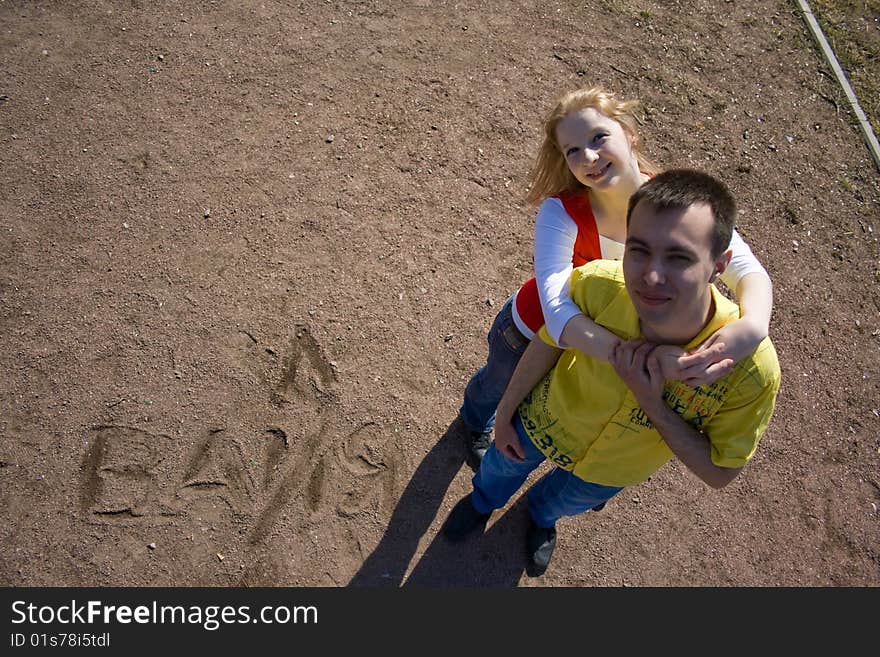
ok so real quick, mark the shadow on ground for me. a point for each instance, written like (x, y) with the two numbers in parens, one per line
(493, 559)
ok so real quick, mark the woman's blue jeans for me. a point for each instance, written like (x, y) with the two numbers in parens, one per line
(558, 493)
(486, 387)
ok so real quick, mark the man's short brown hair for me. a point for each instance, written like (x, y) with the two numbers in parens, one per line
(682, 188)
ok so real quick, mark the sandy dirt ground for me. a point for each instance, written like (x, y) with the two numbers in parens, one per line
(249, 252)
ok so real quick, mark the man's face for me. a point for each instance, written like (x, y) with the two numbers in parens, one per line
(667, 266)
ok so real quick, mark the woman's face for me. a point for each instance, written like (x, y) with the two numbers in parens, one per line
(596, 148)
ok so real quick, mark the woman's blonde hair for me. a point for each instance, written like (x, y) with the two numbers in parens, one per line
(550, 175)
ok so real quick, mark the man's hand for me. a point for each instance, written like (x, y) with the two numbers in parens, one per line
(640, 369)
(641, 372)
(507, 442)
(538, 359)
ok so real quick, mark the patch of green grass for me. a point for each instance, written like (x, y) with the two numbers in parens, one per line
(614, 6)
(852, 27)
(628, 8)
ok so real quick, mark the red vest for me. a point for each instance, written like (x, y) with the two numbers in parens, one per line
(586, 248)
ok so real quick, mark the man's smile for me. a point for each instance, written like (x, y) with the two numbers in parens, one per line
(652, 298)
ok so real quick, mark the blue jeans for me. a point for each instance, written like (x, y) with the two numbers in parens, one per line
(558, 493)
(486, 387)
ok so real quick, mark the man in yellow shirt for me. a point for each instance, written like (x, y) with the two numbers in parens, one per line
(607, 425)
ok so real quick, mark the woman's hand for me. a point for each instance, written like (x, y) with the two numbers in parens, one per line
(740, 338)
(701, 367)
(718, 355)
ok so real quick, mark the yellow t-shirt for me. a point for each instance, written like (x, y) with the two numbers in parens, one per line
(584, 418)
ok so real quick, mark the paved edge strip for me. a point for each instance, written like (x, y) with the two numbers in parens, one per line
(831, 59)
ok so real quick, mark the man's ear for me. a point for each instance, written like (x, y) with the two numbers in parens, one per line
(721, 263)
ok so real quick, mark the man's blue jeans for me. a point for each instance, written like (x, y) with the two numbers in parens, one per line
(558, 493)
(486, 387)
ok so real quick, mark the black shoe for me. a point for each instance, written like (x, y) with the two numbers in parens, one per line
(463, 519)
(478, 443)
(540, 543)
